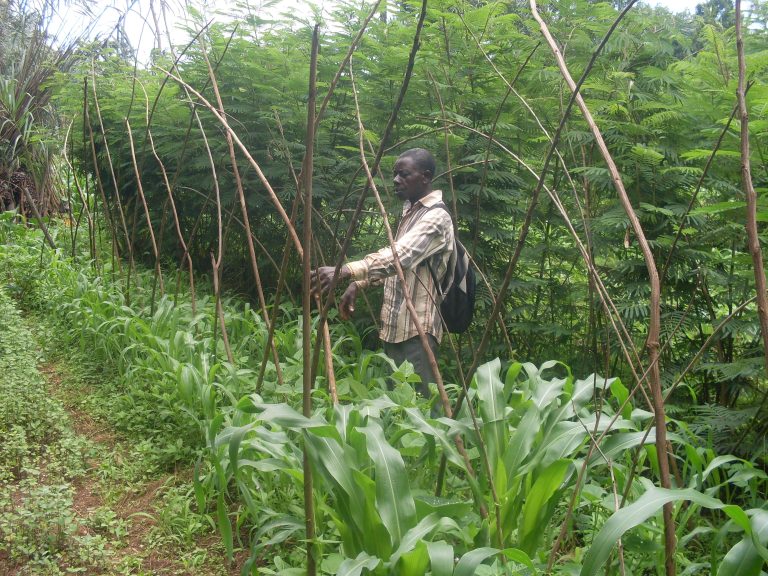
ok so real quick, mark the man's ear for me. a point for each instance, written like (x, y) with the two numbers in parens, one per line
(428, 175)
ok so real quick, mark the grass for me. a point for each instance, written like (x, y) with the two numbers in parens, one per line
(41, 458)
(75, 495)
(179, 445)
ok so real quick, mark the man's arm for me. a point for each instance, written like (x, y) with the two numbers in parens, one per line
(428, 236)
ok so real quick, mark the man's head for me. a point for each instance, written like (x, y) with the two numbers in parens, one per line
(413, 174)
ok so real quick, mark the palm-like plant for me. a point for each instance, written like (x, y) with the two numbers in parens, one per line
(28, 63)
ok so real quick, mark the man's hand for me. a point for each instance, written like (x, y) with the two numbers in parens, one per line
(322, 278)
(347, 303)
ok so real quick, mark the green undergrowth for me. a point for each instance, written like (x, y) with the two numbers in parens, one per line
(135, 487)
(159, 376)
(46, 466)
(40, 457)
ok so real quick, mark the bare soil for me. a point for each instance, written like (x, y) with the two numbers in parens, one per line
(136, 509)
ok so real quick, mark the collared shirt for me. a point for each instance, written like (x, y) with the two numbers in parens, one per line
(423, 235)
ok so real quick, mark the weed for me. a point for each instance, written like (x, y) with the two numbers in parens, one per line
(177, 522)
(106, 522)
(159, 375)
(39, 526)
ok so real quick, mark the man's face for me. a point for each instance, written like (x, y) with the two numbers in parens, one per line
(410, 182)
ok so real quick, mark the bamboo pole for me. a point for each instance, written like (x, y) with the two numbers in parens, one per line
(409, 304)
(38, 217)
(380, 153)
(91, 236)
(244, 211)
(100, 186)
(753, 236)
(654, 327)
(80, 193)
(374, 167)
(455, 211)
(306, 293)
(398, 267)
(118, 201)
(216, 261)
(140, 189)
(220, 310)
(625, 341)
(444, 397)
(176, 223)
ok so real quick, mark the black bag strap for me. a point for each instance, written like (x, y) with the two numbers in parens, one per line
(434, 279)
(439, 285)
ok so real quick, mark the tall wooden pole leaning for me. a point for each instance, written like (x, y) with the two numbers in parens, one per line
(150, 228)
(654, 326)
(246, 220)
(374, 167)
(306, 297)
(91, 235)
(116, 188)
(255, 165)
(523, 234)
(38, 217)
(753, 238)
(409, 304)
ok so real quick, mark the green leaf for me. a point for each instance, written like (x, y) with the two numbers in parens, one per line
(424, 529)
(536, 504)
(336, 466)
(424, 426)
(719, 208)
(200, 492)
(584, 390)
(520, 557)
(510, 379)
(621, 393)
(563, 440)
(187, 379)
(236, 437)
(285, 416)
(393, 493)
(545, 392)
(619, 443)
(471, 560)
(646, 506)
(491, 406)
(746, 558)
(521, 440)
(355, 567)
(716, 463)
(225, 527)
(441, 558)
(413, 563)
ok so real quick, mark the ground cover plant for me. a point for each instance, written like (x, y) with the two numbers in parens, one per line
(377, 459)
(596, 158)
(76, 494)
(37, 522)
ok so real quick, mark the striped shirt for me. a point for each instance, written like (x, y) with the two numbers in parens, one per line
(423, 235)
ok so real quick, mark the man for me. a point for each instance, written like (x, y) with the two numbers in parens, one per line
(424, 240)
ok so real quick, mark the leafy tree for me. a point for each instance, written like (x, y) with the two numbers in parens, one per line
(661, 91)
(717, 11)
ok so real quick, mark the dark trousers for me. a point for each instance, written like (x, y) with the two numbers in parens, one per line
(413, 351)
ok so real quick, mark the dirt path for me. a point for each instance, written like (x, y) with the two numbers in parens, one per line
(134, 512)
(75, 497)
